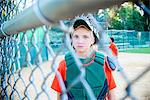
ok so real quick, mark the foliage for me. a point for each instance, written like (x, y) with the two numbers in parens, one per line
(146, 16)
(129, 17)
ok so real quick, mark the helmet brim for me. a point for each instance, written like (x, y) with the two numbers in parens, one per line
(79, 23)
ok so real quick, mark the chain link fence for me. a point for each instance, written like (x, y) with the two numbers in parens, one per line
(23, 55)
(127, 39)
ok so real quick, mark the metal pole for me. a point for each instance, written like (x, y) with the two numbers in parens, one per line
(51, 11)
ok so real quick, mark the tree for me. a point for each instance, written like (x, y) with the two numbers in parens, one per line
(129, 17)
(146, 16)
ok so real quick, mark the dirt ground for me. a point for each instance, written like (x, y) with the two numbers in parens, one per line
(133, 65)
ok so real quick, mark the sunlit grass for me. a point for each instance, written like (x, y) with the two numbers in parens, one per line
(139, 50)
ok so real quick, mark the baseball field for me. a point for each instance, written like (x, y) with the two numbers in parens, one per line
(32, 78)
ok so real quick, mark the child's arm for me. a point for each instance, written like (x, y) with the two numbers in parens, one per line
(109, 67)
(111, 95)
(58, 96)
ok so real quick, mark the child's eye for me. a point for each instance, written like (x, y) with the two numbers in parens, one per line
(85, 37)
(76, 36)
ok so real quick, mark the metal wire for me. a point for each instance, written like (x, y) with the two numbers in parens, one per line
(22, 55)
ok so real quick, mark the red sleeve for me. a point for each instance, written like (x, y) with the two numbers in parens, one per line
(109, 76)
(114, 49)
(62, 69)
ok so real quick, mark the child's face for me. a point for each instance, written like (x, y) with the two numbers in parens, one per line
(82, 39)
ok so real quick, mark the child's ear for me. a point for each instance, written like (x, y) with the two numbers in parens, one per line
(93, 40)
(92, 43)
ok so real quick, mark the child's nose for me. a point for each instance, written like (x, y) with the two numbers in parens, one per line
(81, 40)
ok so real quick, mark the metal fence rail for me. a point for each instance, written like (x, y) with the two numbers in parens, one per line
(22, 55)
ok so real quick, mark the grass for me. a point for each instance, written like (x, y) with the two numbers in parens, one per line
(139, 50)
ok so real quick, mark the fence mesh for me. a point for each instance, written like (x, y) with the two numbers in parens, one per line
(126, 39)
(24, 57)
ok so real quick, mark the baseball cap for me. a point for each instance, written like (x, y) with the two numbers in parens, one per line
(88, 22)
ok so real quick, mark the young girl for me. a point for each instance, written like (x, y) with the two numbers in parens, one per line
(97, 67)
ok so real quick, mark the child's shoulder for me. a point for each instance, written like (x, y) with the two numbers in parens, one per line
(67, 55)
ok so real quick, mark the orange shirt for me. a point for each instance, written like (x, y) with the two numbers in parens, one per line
(62, 70)
(114, 49)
